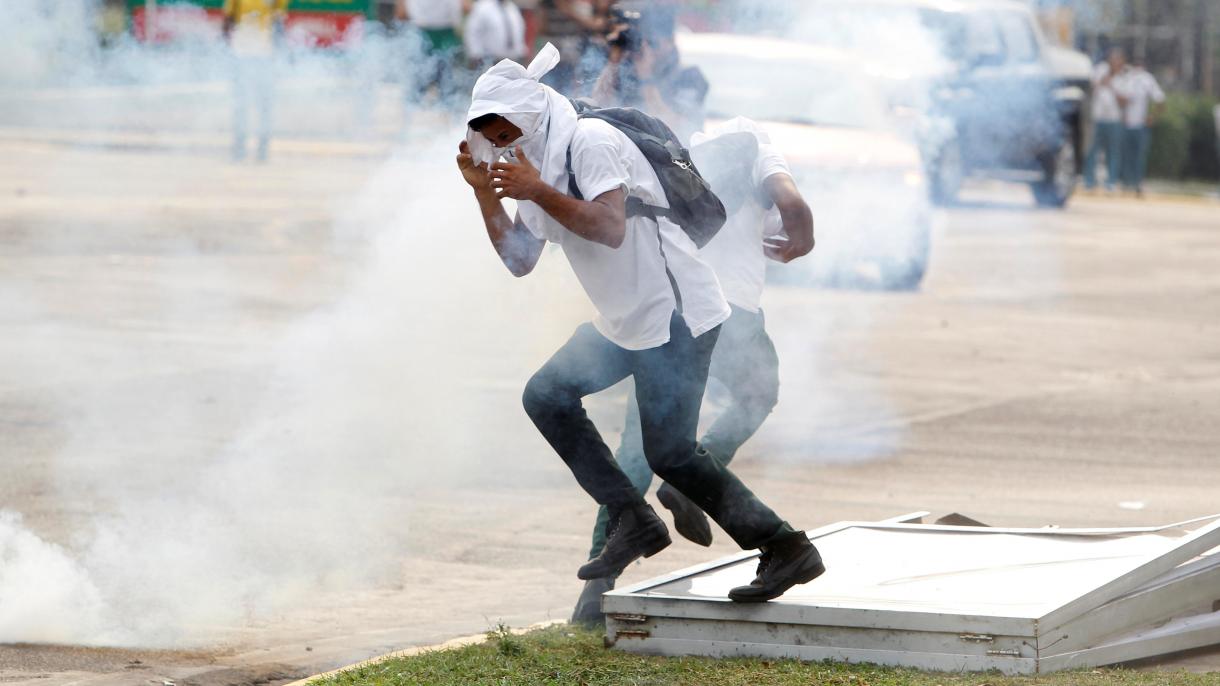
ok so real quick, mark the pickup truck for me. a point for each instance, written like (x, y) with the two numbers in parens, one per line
(987, 95)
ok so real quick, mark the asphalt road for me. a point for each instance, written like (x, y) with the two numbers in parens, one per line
(341, 314)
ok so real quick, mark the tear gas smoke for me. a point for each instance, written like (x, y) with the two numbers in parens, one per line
(230, 467)
(328, 422)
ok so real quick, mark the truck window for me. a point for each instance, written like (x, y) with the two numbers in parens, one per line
(1018, 37)
(983, 44)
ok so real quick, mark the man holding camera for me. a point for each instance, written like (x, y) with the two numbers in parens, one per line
(659, 309)
(643, 70)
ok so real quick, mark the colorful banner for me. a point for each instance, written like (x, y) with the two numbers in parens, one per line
(310, 23)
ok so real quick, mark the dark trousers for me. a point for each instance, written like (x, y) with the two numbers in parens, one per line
(1135, 156)
(745, 361)
(669, 385)
(1107, 139)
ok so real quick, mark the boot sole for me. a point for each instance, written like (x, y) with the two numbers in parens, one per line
(692, 526)
(814, 572)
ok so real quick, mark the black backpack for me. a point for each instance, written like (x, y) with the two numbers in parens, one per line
(692, 204)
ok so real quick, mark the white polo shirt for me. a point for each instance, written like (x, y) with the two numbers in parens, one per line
(494, 30)
(1140, 88)
(736, 251)
(435, 14)
(628, 285)
(1105, 100)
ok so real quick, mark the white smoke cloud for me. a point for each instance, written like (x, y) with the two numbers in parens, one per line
(216, 467)
(45, 594)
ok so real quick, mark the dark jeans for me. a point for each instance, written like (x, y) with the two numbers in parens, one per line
(745, 361)
(669, 384)
(1107, 138)
(1135, 156)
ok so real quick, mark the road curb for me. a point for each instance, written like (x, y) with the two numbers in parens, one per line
(451, 644)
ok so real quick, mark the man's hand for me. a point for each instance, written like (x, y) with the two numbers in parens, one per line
(520, 181)
(475, 174)
(785, 250)
(796, 216)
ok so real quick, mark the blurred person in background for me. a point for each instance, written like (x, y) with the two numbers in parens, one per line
(560, 25)
(251, 28)
(644, 71)
(1142, 97)
(495, 30)
(530, 14)
(438, 23)
(767, 219)
(1108, 120)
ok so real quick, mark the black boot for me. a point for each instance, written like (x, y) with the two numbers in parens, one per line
(689, 520)
(588, 610)
(783, 564)
(635, 532)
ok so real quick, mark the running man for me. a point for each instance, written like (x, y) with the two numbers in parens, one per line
(659, 310)
(753, 180)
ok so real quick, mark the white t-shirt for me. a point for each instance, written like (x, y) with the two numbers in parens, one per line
(628, 285)
(435, 14)
(736, 251)
(1140, 88)
(1105, 101)
(494, 30)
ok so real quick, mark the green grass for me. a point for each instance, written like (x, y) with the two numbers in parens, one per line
(567, 655)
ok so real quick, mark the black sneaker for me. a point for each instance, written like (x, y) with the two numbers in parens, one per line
(783, 564)
(689, 520)
(635, 532)
(588, 610)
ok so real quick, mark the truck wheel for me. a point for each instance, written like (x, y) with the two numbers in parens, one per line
(946, 174)
(1060, 179)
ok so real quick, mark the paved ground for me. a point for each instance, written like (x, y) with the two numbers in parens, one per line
(310, 370)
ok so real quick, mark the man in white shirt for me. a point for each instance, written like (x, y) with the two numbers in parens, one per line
(1107, 120)
(752, 178)
(1142, 96)
(659, 309)
(495, 30)
(438, 22)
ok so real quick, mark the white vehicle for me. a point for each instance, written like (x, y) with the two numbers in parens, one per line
(863, 179)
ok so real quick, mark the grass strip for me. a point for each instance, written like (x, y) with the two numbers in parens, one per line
(572, 656)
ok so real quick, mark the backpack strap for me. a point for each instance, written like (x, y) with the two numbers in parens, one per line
(634, 208)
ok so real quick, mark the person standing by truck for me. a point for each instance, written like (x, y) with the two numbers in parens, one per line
(1142, 97)
(1107, 121)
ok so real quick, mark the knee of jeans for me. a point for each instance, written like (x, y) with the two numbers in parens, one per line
(535, 398)
(541, 398)
(675, 465)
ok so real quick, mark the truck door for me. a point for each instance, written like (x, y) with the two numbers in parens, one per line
(1031, 118)
(972, 99)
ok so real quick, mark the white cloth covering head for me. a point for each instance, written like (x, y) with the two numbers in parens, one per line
(546, 119)
(734, 125)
